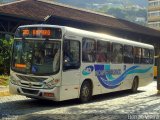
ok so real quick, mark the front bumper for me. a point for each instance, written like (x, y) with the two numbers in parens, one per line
(35, 93)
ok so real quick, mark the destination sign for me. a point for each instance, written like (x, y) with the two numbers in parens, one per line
(39, 32)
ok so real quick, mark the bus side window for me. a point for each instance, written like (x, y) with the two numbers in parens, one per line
(88, 50)
(71, 54)
(103, 51)
(117, 53)
(145, 56)
(137, 55)
(151, 56)
(128, 54)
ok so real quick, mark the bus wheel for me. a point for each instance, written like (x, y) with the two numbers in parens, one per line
(134, 88)
(85, 92)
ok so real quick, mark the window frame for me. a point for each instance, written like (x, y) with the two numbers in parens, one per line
(84, 38)
(153, 60)
(44, 74)
(132, 54)
(143, 56)
(78, 67)
(112, 44)
(135, 54)
(108, 42)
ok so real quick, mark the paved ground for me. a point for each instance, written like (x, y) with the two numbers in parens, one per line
(120, 105)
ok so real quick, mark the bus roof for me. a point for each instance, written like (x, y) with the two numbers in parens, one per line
(94, 35)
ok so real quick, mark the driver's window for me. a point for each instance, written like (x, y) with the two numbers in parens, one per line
(71, 54)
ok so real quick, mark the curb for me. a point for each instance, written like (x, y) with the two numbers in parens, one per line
(4, 91)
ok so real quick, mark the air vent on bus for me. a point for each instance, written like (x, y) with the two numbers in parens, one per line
(35, 92)
(33, 85)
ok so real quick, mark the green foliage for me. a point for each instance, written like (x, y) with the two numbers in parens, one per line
(4, 80)
(5, 51)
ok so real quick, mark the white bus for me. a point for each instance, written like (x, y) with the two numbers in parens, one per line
(61, 63)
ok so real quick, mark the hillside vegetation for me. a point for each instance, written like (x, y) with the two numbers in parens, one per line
(84, 3)
(131, 10)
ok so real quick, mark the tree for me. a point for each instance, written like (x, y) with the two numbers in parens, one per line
(5, 52)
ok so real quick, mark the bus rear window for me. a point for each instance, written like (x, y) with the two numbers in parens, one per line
(39, 32)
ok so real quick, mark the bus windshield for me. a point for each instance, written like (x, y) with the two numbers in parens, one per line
(39, 57)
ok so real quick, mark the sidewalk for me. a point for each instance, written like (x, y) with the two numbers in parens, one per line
(4, 91)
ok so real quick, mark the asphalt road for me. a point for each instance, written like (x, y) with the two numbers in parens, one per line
(119, 105)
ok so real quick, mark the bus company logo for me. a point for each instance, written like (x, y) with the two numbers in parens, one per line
(30, 85)
(88, 70)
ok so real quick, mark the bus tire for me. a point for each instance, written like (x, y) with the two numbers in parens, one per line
(134, 88)
(85, 92)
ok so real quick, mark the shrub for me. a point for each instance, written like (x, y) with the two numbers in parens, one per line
(5, 52)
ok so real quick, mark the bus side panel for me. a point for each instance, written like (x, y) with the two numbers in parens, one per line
(146, 77)
(88, 73)
(69, 92)
(113, 71)
(120, 77)
(143, 72)
(129, 76)
(70, 84)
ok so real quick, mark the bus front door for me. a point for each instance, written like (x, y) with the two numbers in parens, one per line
(71, 70)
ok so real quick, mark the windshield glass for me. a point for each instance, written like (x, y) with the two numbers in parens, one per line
(36, 57)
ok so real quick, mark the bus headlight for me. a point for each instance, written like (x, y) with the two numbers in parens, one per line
(13, 80)
(50, 84)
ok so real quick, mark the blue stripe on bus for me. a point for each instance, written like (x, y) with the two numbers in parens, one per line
(107, 80)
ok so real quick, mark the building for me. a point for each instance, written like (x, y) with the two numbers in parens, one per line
(154, 14)
(24, 12)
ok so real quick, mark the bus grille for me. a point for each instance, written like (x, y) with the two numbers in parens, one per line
(31, 79)
(35, 92)
(32, 85)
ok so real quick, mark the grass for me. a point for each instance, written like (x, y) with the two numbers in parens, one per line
(4, 80)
